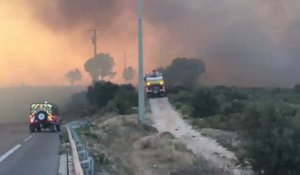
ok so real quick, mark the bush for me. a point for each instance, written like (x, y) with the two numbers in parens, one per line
(128, 87)
(76, 105)
(178, 105)
(186, 110)
(108, 97)
(273, 138)
(224, 122)
(235, 94)
(100, 93)
(235, 106)
(200, 123)
(109, 108)
(297, 88)
(177, 89)
(125, 99)
(204, 103)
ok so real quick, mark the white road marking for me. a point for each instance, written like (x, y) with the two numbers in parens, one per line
(8, 153)
(25, 140)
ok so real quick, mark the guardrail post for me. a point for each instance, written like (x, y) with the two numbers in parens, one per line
(88, 166)
(83, 155)
(79, 147)
(77, 166)
(84, 164)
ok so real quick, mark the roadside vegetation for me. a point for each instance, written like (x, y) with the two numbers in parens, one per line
(262, 126)
(64, 142)
(266, 120)
(102, 97)
(119, 146)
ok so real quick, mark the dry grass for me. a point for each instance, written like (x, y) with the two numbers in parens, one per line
(128, 149)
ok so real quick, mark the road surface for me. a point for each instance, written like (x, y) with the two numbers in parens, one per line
(11, 135)
(25, 153)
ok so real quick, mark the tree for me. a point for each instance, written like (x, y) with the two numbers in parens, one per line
(183, 72)
(100, 66)
(73, 76)
(272, 132)
(129, 73)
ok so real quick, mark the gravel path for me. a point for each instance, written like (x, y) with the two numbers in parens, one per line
(165, 118)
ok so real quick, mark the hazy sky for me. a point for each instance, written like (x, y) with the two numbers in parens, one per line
(248, 43)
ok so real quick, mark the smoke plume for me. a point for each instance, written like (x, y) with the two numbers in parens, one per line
(246, 43)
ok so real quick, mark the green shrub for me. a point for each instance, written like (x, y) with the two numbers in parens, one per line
(200, 123)
(110, 107)
(186, 110)
(297, 88)
(64, 137)
(181, 96)
(181, 100)
(127, 87)
(204, 103)
(235, 94)
(177, 89)
(108, 97)
(235, 106)
(178, 105)
(273, 138)
(100, 93)
(88, 131)
(125, 99)
(225, 122)
(101, 158)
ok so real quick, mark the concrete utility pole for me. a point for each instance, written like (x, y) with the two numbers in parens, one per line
(141, 115)
(160, 58)
(125, 57)
(124, 64)
(94, 40)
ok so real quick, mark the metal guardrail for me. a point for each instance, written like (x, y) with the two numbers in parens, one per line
(84, 164)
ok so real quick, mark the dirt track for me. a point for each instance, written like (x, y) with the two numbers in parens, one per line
(165, 118)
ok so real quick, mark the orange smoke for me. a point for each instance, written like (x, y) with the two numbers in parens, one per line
(32, 54)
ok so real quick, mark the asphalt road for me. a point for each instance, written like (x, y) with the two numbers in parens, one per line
(32, 154)
(12, 134)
